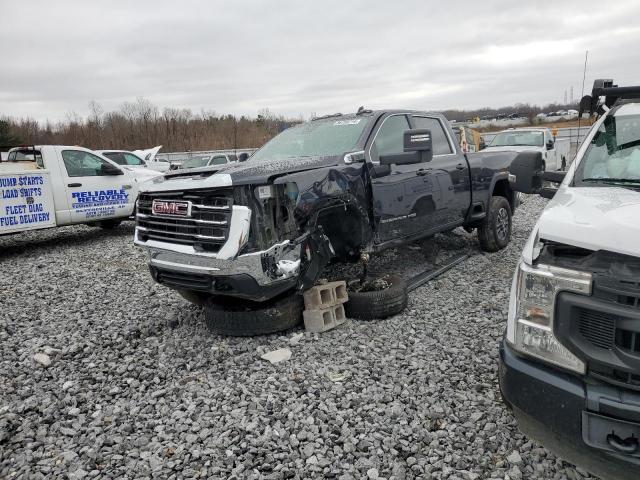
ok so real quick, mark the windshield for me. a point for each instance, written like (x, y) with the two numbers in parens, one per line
(518, 139)
(219, 160)
(613, 156)
(123, 158)
(318, 138)
(195, 162)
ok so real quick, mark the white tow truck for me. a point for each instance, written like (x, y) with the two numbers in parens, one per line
(50, 186)
(555, 151)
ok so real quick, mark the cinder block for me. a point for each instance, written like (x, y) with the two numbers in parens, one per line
(319, 297)
(319, 320)
(325, 319)
(326, 295)
(341, 292)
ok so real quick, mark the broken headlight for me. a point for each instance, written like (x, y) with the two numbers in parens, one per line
(531, 312)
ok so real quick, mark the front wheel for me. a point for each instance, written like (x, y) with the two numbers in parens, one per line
(109, 224)
(197, 298)
(495, 232)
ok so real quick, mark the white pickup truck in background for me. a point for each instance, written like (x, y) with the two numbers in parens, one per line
(50, 186)
(555, 152)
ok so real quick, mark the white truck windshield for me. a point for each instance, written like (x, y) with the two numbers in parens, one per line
(518, 139)
(613, 156)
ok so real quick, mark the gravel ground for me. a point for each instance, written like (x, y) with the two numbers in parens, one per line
(137, 388)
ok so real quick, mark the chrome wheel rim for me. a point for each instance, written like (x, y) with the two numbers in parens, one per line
(502, 223)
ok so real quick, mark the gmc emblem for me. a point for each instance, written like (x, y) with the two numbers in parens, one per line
(168, 207)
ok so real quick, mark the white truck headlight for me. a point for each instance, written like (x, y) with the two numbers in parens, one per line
(531, 311)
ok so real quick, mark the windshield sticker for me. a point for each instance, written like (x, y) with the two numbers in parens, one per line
(355, 121)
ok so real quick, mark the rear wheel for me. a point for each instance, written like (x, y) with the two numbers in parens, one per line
(495, 232)
(243, 318)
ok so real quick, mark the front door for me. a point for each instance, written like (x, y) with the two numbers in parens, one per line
(402, 194)
(450, 171)
(92, 194)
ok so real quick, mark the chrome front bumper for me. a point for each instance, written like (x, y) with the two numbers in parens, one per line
(279, 262)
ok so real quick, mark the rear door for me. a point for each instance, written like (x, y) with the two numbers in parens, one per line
(449, 173)
(91, 193)
(402, 204)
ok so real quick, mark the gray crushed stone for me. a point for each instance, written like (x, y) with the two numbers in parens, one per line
(135, 386)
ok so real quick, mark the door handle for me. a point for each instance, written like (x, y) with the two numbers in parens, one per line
(460, 166)
(74, 185)
(423, 171)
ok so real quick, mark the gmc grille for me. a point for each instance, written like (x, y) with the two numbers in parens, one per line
(207, 229)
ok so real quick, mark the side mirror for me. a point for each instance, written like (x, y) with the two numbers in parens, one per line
(417, 149)
(553, 177)
(419, 140)
(243, 157)
(108, 169)
(550, 145)
(406, 158)
(482, 144)
(525, 172)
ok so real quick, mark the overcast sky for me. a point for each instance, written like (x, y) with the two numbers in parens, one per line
(301, 57)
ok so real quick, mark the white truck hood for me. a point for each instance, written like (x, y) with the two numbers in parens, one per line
(143, 174)
(595, 218)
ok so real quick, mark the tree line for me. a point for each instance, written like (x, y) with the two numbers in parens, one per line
(140, 124)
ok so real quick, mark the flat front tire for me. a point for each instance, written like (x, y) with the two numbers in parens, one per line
(241, 318)
(197, 298)
(495, 232)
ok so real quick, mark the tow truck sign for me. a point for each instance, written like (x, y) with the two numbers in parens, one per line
(167, 207)
(26, 202)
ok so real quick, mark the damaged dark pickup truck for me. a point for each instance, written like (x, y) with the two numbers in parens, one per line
(336, 188)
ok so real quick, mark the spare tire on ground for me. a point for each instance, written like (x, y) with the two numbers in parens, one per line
(243, 318)
(380, 297)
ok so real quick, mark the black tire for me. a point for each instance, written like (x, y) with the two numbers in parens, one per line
(564, 164)
(109, 224)
(197, 298)
(378, 304)
(495, 232)
(242, 318)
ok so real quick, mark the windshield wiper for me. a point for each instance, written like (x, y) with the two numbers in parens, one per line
(613, 180)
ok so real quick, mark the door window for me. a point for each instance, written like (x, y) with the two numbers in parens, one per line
(83, 164)
(390, 137)
(133, 159)
(441, 145)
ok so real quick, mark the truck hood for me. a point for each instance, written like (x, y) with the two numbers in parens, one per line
(514, 148)
(251, 172)
(246, 173)
(595, 218)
